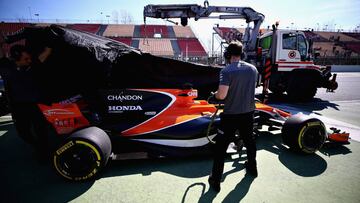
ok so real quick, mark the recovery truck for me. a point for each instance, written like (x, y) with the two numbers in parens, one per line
(282, 57)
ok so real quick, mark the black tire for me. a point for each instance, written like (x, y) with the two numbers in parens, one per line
(301, 87)
(304, 134)
(83, 154)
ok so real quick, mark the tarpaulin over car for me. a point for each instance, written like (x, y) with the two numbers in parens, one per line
(83, 62)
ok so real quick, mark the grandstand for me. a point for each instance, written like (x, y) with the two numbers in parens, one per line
(92, 28)
(160, 47)
(328, 48)
(353, 35)
(161, 40)
(229, 34)
(125, 40)
(191, 47)
(314, 36)
(119, 30)
(354, 46)
(183, 32)
(181, 43)
(336, 36)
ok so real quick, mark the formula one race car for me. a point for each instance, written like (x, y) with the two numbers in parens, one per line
(164, 122)
(106, 98)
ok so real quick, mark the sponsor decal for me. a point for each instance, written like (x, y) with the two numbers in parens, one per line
(64, 123)
(314, 124)
(122, 97)
(53, 112)
(292, 54)
(193, 93)
(150, 113)
(120, 109)
(65, 147)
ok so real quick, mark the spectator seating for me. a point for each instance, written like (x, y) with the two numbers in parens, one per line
(191, 47)
(160, 40)
(353, 35)
(125, 40)
(183, 32)
(10, 28)
(92, 28)
(159, 47)
(48, 24)
(336, 36)
(154, 31)
(315, 37)
(353, 46)
(228, 34)
(119, 31)
(328, 48)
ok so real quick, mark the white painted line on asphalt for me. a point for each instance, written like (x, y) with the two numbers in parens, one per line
(343, 101)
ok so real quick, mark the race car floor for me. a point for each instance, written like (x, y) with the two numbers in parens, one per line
(331, 175)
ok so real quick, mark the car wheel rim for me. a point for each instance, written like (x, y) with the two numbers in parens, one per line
(313, 138)
(79, 162)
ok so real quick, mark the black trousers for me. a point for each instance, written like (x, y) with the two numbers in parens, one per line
(30, 125)
(229, 124)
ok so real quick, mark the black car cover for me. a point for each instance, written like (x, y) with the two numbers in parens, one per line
(83, 63)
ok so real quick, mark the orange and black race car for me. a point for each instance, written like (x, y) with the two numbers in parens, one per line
(164, 122)
(106, 98)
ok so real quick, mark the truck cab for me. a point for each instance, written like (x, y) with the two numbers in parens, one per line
(291, 46)
(292, 70)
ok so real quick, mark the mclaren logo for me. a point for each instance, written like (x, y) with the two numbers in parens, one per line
(124, 108)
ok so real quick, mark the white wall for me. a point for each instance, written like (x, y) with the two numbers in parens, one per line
(345, 68)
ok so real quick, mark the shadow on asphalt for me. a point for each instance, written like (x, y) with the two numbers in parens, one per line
(202, 185)
(27, 179)
(316, 104)
(300, 164)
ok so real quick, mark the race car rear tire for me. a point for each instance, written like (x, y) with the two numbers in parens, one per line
(83, 154)
(304, 134)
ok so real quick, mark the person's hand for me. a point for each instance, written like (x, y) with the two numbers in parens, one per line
(212, 98)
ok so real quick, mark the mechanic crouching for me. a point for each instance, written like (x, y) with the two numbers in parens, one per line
(21, 75)
(237, 88)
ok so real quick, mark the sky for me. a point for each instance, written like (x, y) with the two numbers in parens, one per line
(319, 14)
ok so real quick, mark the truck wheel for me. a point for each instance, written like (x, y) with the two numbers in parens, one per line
(277, 91)
(304, 134)
(302, 87)
(83, 154)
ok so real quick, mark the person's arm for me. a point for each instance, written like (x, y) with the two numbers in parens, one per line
(222, 91)
(45, 54)
(224, 83)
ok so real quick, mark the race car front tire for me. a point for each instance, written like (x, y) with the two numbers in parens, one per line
(83, 154)
(303, 133)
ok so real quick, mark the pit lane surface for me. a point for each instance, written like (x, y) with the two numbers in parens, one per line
(331, 175)
(340, 109)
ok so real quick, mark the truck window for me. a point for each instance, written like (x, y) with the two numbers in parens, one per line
(265, 43)
(302, 46)
(289, 41)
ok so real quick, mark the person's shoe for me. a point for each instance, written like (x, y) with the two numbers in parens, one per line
(251, 169)
(215, 185)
